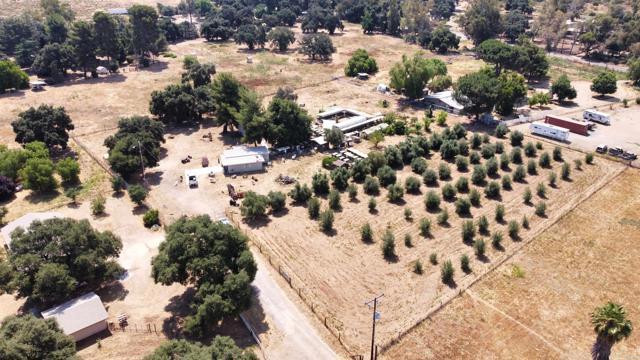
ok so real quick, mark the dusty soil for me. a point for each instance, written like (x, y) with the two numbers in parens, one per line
(341, 273)
(585, 259)
(82, 8)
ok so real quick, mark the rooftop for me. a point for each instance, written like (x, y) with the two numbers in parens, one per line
(24, 222)
(77, 314)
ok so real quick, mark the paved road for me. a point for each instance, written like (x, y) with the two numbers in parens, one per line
(295, 337)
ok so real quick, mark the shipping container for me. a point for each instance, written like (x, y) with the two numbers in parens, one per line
(550, 131)
(575, 126)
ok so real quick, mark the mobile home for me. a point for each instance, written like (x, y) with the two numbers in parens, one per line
(550, 131)
(597, 116)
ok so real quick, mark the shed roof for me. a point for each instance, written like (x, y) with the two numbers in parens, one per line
(240, 151)
(446, 97)
(78, 314)
(24, 223)
(242, 160)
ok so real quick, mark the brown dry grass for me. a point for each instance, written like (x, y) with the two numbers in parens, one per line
(582, 261)
(83, 8)
(342, 272)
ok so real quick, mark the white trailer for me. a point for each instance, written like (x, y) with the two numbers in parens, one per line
(597, 116)
(550, 131)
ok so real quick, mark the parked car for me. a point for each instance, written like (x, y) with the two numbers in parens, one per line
(601, 149)
(193, 181)
(629, 156)
(615, 151)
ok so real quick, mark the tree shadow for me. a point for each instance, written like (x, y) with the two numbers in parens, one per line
(607, 98)
(280, 213)
(498, 247)
(112, 292)
(156, 66)
(179, 307)
(331, 233)
(140, 209)
(483, 258)
(12, 94)
(451, 284)
(258, 222)
(37, 198)
(154, 178)
(392, 259)
(91, 340)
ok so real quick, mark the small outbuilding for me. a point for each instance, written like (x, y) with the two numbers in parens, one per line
(444, 100)
(80, 318)
(242, 159)
(118, 11)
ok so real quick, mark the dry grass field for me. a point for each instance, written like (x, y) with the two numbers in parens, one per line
(341, 272)
(585, 259)
(82, 8)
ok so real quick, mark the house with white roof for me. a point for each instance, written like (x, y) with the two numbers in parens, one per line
(80, 318)
(242, 159)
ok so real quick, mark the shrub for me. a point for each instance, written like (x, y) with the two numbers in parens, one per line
(425, 227)
(501, 131)
(417, 267)
(366, 233)
(525, 222)
(340, 178)
(430, 178)
(474, 157)
(468, 231)
(463, 207)
(320, 183)
(462, 164)
(433, 258)
(444, 172)
(464, 263)
(483, 225)
(448, 192)
(334, 200)
(277, 200)
(446, 272)
(504, 161)
(395, 193)
(532, 168)
(300, 193)
(474, 197)
(486, 139)
(408, 214)
(526, 196)
(372, 204)
(388, 245)
(326, 220)
(432, 201)
(150, 218)
(352, 190)
(7, 188)
(541, 190)
(117, 183)
(98, 205)
(418, 165)
(506, 182)
(499, 147)
(386, 176)
(545, 160)
(462, 185)
(519, 174)
(449, 150)
(492, 167)
(327, 161)
(479, 248)
(488, 151)
(479, 175)
(557, 153)
(516, 156)
(513, 229)
(588, 158)
(313, 207)
(530, 150)
(492, 190)
(516, 138)
(443, 217)
(552, 179)
(72, 193)
(476, 141)
(412, 185)
(541, 209)
(253, 205)
(463, 147)
(360, 170)
(496, 240)
(499, 213)
(408, 242)
(371, 185)
(69, 170)
(578, 164)
(137, 193)
(565, 172)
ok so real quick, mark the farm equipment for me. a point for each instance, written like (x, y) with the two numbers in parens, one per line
(234, 195)
(285, 179)
(186, 159)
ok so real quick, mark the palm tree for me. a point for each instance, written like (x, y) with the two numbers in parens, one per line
(611, 326)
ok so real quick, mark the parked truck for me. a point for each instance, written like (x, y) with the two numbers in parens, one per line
(597, 116)
(549, 130)
(575, 126)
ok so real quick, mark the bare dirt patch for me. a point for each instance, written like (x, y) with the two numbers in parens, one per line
(582, 261)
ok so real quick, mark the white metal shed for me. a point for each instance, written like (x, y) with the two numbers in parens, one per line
(81, 317)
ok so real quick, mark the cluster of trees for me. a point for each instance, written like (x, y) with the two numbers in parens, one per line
(222, 347)
(12, 77)
(413, 74)
(215, 259)
(27, 337)
(524, 57)
(482, 91)
(60, 43)
(51, 260)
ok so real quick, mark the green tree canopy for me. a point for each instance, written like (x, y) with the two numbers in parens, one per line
(481, 20)
(222, 347)
(215, 259)
(477, 92)
(317, 46)
(85, 47)
(562, 88)
(360, 62)
(53, 61)
(226, 91)
(442, 39)
(52, 258)
(106, 35)
(511, 89)
(288, 123)
(604, 83)
(136, 135)
(144, 28)
(412, 74)
(48, 124)
(611, 326)
(634, 71)
(12, 77)
(176, 104)
(281, 37)
(29, 338)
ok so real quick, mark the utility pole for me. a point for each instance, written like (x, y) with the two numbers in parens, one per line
(141, 160)
(373, 331)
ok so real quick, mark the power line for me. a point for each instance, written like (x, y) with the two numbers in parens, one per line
(375, 316)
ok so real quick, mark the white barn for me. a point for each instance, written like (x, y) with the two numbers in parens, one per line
(81, 317)
(242, 159)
